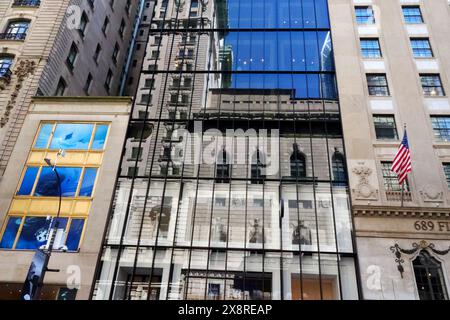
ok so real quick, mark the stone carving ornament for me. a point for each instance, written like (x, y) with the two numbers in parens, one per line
(363, 190)
(23, 70)
(432, 194)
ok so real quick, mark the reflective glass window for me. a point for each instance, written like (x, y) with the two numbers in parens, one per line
(9, 236)
(28, 181)
(88, 182)
(74, 236)
(43, 136)
(35, 232)
(72, 136)
(47, 185)
(100, 137)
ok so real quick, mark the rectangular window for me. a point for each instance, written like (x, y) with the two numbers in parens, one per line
(446, 167)
(71, 136)
(431, 85)
(421, 48)
(412, 14)
(390, 178)
(364, 15)
(370, 48)
(377, 85)
(385, 128)
(31, 232)
(441, 127)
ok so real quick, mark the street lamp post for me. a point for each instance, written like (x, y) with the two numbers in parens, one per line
(54, 228)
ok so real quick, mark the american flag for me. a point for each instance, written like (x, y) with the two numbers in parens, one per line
(402, 162)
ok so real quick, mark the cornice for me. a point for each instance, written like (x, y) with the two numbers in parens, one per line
(400, 212)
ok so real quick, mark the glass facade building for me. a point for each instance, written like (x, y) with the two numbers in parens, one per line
(233, 182)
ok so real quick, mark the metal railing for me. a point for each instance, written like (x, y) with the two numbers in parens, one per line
(13, 36)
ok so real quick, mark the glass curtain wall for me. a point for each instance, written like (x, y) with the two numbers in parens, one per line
(233, 181)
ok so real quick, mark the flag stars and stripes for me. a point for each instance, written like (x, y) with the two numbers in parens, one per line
(402, 161)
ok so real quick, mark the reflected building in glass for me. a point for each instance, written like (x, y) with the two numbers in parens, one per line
(233, 182)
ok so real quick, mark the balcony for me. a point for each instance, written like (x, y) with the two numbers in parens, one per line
(13, 36)
(5, 78)
(26, 3)
(397, 196)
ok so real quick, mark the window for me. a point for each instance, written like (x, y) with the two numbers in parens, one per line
(298, 163)
(441, 127)
(61, 88)
(108, 80)
(43, 182)
(385, 128)
(122, 28)
(258, 168)
(97, 52)
(364, 15)
(115, 53)
(429, 277)
(370, 48)
(5, 65)
(339, 170)
(390, 178)
(377, 85)
(136, 153)
(431, 85)
(83, 24)
(73, 53)
(222, 168)
(32, 232)
(16, 30)
(87, 85)
(446, 167)
(421, 48)
(105, 25)
(71, 136)
(412, 14)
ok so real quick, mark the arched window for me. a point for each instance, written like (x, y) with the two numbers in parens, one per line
(258, 165)
(339, 170)
(298, 163)
(429, 277)
(222, 168)
(17, 30)
(5, 65)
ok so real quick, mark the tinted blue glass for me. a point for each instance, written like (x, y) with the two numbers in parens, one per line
(271, 14)
(280, 51)
(48, 185)
(312, 86)
(28, 181)
(35, 232)
(100, 137)
(88, 182)
(9, 236)
(72, 136)
(74, 236)
(43, 136)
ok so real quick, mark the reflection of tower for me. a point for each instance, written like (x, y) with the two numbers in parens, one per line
(226, 63)
(327, 82)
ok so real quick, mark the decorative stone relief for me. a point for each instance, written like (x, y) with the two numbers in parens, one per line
(432, 194)
(23, 70)
(363, 190)
(422, 245)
